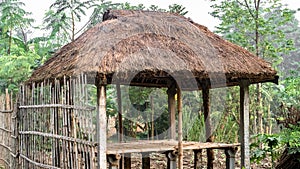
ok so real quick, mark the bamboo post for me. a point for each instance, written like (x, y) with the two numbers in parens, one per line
(70, 93)
(244, 124)
(101, 132)
(16, 134)
(7, 100)
(208, 133)
(179, 109)
(2, 118)
(7, 115)
(58, 89)
(26, 126)
(171, 108)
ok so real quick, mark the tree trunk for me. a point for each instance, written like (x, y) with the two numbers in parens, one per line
(269, 123)
(9, 41)
(73, 26)
(259, 112)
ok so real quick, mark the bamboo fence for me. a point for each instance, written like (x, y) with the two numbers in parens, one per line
(8, 132)
(57, 124)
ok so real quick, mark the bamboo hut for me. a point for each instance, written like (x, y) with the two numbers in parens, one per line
(136, 48)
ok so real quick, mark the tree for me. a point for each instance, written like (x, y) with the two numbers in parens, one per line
(262, 27)
(13, 18)
(255, 25)
(103, 6)
(99, 9)
(59, 26)
(179, 9)
(16, 68)
(69, 12)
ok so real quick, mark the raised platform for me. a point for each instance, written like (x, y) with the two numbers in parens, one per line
(162, 146)
(168, 147)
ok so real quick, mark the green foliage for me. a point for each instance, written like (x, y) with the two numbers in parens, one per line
(290, 137)
(288, 91)
(193, 123)
(241, 20)
(66, 13)
(16, 59)
(179, 9)
(274, 144)
(16, 68)
(59, 26)
(100, 8)
(14, 19)
(267, 29)
(111, 101)
(271, 145)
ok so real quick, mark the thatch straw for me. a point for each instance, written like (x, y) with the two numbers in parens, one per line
(158, 44)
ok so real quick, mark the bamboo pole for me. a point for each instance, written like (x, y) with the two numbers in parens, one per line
(26, 120)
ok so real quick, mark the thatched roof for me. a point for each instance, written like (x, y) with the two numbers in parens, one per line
(149, 47)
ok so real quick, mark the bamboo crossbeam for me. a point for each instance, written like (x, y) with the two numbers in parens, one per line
(13, 155)
(5, 146)
(38, 164)
(65, 138)
(6, 130)
(87, 108)
(14, 137)
(5, 161)
(6, 111)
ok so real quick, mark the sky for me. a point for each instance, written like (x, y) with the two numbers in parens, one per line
(198, 10)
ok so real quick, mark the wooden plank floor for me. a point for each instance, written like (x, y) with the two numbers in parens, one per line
(161, 146)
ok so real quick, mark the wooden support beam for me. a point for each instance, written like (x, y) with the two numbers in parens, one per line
(230, 157)
(101, 125)
(146, 160)
(244, 124)
(113, 160)
(172, 109)
(208, 133)
(171, 157)
(196, 159)
(180, 138)
(127, 161)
